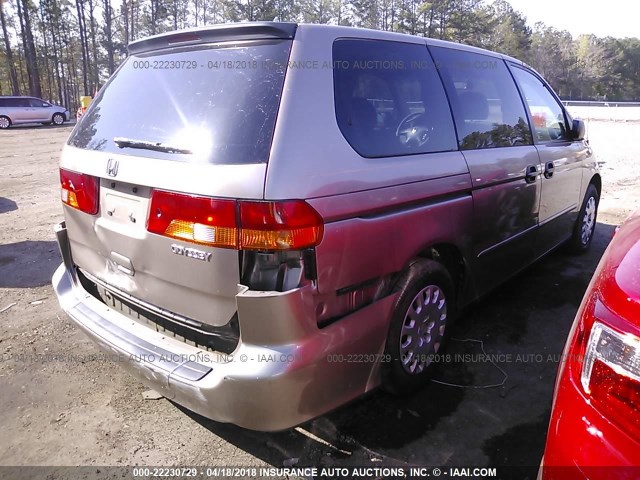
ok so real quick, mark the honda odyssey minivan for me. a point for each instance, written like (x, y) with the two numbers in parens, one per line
(292, 215)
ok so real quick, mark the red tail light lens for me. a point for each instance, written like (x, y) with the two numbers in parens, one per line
(616, 395)
(606, 364)
(249, 225)
(80, 191)
(290, 225)
(611, 374)
(193, 219)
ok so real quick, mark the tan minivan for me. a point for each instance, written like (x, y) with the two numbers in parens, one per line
(293, 214)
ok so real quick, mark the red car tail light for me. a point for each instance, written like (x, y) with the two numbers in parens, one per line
(289, 225)
(80, 191)
(202, 220)
(606, 363)
(248, 225)
(611, 375)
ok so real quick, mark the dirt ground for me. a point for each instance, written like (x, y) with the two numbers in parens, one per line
(76, 409)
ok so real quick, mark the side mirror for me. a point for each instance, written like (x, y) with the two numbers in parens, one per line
(578, 129)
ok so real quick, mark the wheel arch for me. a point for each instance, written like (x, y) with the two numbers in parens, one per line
(596, 181)
(451, 257)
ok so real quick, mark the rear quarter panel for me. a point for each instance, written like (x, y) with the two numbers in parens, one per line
(379, 212)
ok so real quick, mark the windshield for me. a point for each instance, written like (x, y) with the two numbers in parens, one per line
(209, 104)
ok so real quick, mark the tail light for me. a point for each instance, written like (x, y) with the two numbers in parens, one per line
(604, 359)
(290, 225)
(247, 225)
(80, 191)
(193, 219)
(611, 375)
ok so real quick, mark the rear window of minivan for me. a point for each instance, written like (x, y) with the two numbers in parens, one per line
(219, 103)
(14, 102)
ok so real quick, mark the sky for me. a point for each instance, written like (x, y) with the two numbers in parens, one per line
(615, 18)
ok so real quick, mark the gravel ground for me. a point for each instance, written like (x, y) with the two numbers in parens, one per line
(80, 410)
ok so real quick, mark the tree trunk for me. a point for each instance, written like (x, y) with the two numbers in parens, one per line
(13, 77)
(154, 16)
(108, 13)
(175, 14)
(95, 83)
(83, 45)
(53, 21)
(56, 64)
(71, 81)
(29, 49)
(393, 15)
(133, 21)
(124, 13)
(45, 45)
(431, 13)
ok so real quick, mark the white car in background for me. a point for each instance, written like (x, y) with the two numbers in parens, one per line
(17, 110)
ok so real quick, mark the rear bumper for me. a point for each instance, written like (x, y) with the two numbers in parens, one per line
(584, 445)
(284, 371)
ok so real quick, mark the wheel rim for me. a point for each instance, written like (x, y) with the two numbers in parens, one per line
(57, 119)
(4, 123)
(423, 329)
(588, 220)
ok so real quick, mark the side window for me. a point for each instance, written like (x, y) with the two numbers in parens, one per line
(547, 115)
(4, 102)
(22, 102)
(36, 102)
(389, 100)
(487, 107)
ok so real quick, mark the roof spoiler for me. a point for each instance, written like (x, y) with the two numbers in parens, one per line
(215, 33)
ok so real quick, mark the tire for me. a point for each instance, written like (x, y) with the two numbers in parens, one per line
(585, 226)
(5, 122)
(408, 368)
(57, 119)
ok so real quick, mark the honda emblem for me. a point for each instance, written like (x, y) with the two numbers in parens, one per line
(112, 167)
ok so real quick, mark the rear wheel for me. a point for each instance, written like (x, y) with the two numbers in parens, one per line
(5, 122)
(585, 226)
(421, 318)
(58, 118)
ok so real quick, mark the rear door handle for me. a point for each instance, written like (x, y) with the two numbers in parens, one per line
(548, 170)
(531, 173)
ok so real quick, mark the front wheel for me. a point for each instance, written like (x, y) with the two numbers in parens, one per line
(585, 226)
(58, 119)
(421, 319)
